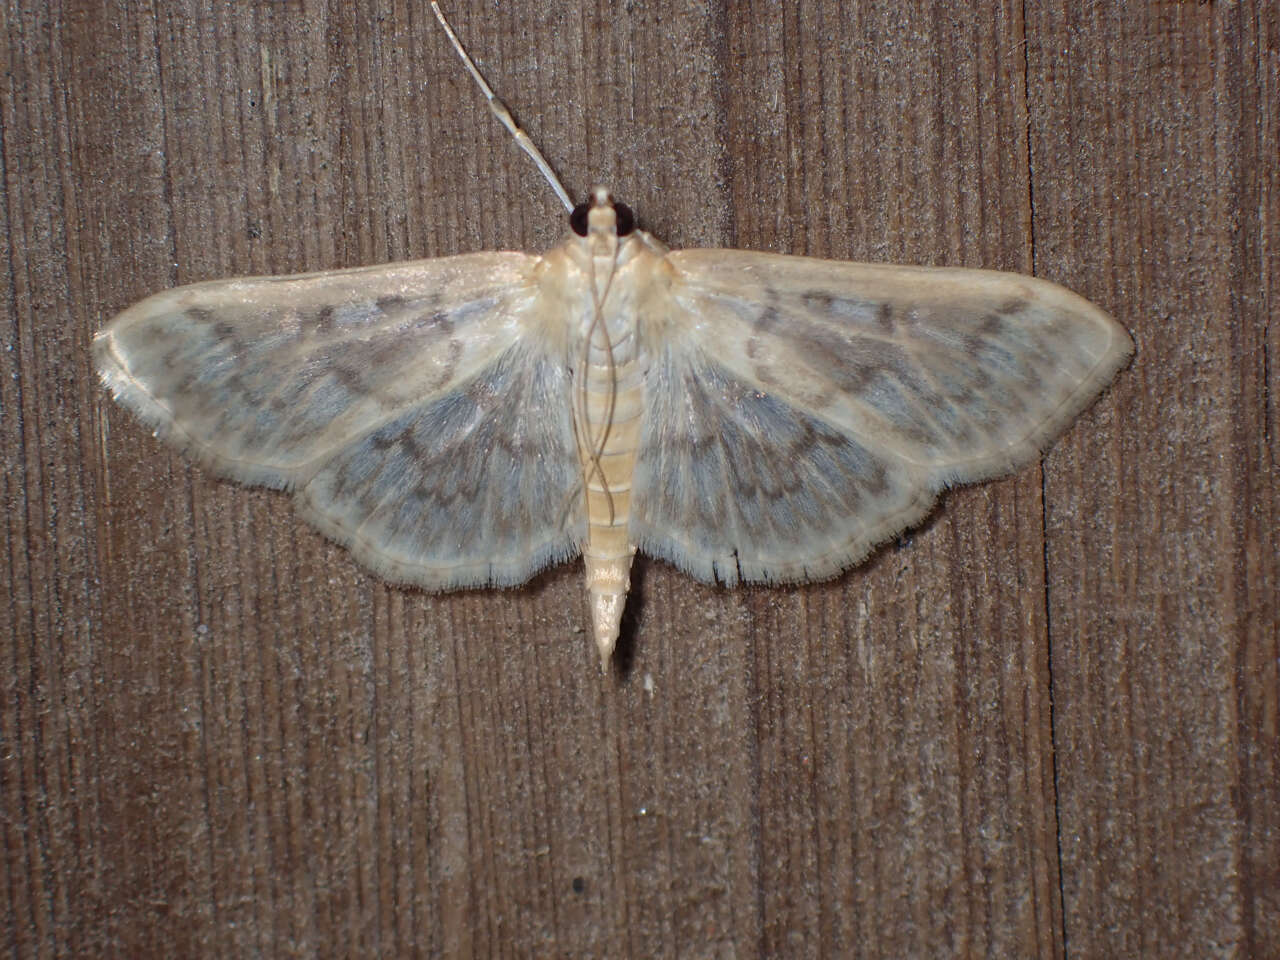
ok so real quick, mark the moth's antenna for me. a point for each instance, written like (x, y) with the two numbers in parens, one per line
(500, 111)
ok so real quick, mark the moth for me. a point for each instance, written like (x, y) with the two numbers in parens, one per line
(748, 417)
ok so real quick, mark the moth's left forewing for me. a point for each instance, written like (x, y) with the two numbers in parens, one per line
(416, 411)
(260, 378)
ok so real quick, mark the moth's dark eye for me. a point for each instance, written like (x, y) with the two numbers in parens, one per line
(578, 219)
(626, 219)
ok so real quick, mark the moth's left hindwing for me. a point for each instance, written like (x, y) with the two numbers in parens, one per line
(416, 410)
(478, 485)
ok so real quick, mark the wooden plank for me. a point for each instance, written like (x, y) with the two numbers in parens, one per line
(1044, 722)
(1155, 153)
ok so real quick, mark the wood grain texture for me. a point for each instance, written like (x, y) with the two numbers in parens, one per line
(1042, 724)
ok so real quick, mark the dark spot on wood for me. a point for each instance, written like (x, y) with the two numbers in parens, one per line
(390, 303)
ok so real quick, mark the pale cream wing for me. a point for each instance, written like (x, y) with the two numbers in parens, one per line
(418, 411)
(801, 411)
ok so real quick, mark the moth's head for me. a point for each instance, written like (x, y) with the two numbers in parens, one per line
(601, 217)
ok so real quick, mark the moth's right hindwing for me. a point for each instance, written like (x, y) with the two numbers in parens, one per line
(401, 403)
(735, 483)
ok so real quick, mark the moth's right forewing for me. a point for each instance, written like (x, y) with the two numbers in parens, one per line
(964, 374)
(262, 378)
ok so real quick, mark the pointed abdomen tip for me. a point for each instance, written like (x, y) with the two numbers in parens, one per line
(606, 617)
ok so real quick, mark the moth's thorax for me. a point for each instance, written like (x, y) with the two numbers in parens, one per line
(610, 251)
(605, 297)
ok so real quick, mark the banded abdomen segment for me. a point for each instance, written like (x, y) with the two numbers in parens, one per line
(609, 415)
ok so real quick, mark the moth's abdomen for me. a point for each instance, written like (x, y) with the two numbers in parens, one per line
(613, 406)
